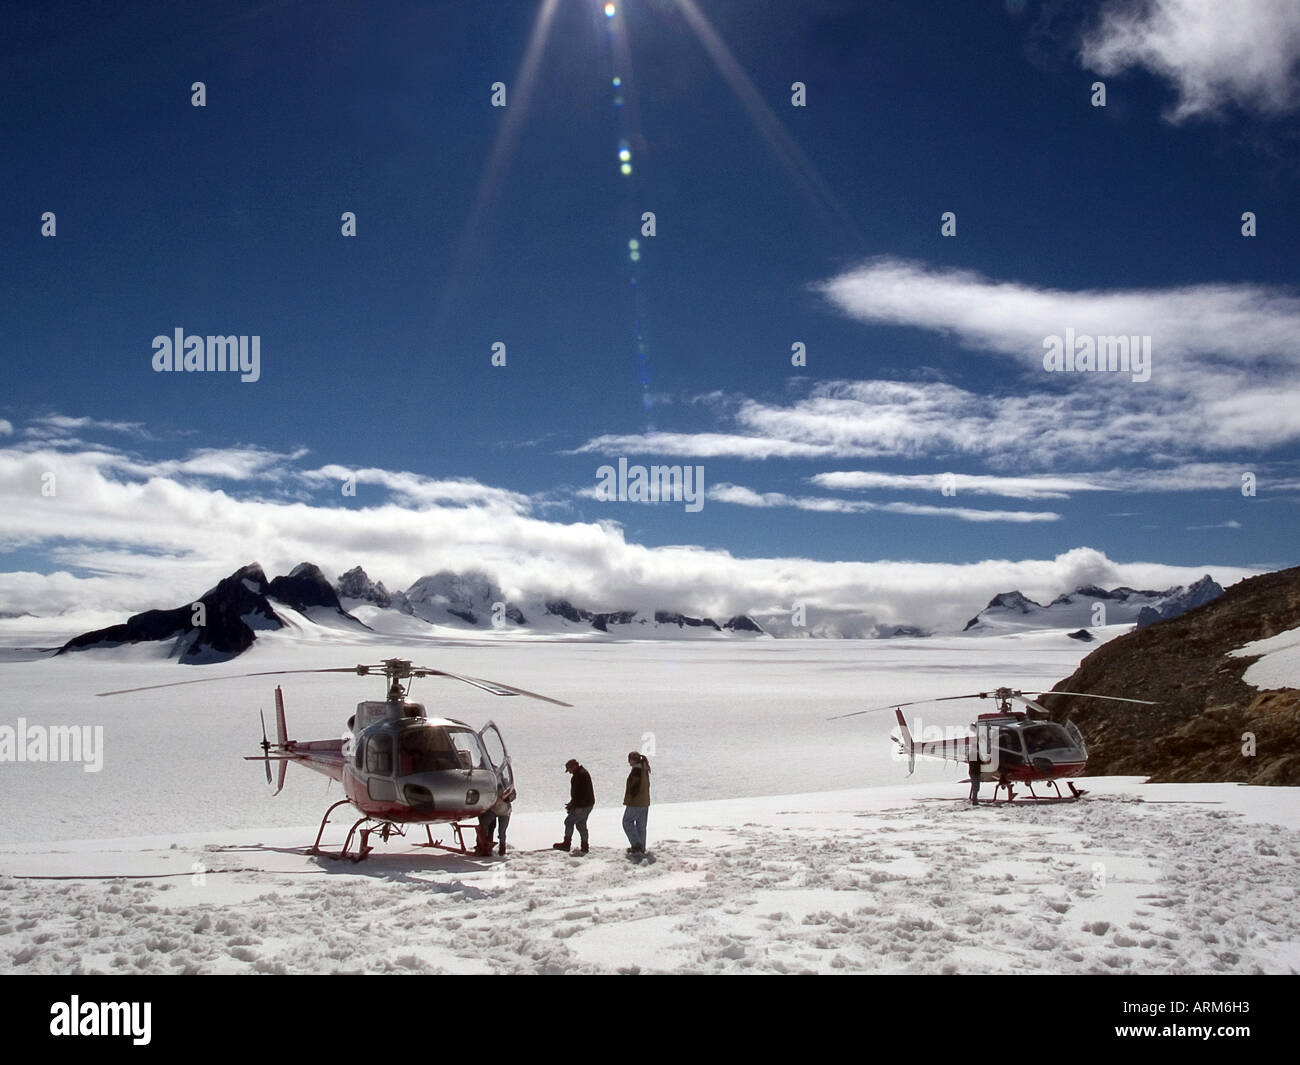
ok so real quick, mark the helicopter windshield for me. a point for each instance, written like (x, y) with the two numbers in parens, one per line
(1046, 737)
(434, 750)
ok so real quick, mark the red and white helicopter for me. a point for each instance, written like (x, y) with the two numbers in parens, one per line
(398, 766)
(1011, 746)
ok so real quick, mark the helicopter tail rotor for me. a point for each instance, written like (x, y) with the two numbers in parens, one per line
(905, 742)
(282, 737)
(266, 748)
(282, 740)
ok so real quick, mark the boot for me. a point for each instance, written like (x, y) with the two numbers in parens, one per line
(501, 849)
(583, 848)
(560, 846)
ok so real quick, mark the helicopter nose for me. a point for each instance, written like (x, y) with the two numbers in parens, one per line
(419, 797)
(426, 792)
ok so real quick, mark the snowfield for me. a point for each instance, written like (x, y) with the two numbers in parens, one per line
(781, 842)
(1168, 879)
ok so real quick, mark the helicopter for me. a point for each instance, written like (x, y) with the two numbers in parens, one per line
(397, 765)
(1011, 746)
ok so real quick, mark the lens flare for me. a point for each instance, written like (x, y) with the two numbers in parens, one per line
(609, 10)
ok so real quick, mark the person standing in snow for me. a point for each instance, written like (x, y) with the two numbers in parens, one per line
(636, 799)
(501, 810)
(487, 821)
(582, 799)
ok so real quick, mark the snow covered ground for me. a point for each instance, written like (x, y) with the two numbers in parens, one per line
(1132, 879)
(781, 841)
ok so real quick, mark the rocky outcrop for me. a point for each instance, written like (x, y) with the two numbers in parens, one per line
(217, 626)
(1089, 605)
(1180, 601)
(668, 617)
(1207, 724)
(355, 584)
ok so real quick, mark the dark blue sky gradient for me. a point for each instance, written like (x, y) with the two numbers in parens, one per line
(375, 350)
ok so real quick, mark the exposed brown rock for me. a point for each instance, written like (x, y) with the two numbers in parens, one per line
(1195, 734)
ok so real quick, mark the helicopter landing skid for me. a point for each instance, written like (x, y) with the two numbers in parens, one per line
(460, 847)
(386, 829)
(1034, 797)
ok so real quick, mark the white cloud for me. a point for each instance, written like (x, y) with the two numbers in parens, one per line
(705, 445)
(937, 421)
(1188, 477)
(1205, 339)
(1039, 487)
(6, 428)
(1214, 52)
(152, 541)
(747, 497)
(60, 424)
(415, 489)
(1191, 326)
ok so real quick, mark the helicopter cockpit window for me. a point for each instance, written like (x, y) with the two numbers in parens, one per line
(379, 755)
(426, 750)
(469, 751)
(1009, 750)
(1046, 737)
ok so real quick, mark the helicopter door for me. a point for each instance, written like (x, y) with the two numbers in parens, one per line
(1077, 736)
(495, 746)
(1011, 751)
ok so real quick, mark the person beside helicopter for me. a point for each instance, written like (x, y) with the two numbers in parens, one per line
(582, 800)
(495, 817)
(636, 801)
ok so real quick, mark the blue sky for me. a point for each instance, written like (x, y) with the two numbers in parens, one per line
(775, 224)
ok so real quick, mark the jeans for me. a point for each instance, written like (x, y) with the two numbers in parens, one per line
(486, 823)
(577, 819)
(634, 824)
(503, 821)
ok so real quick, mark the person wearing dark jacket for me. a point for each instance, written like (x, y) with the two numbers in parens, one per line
(582, 799)
(636, 799)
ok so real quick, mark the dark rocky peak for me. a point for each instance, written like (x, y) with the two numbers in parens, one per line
(668, 617)
(215, 627)
(304, 588)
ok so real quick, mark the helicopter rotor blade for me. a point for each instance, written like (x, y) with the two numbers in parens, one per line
(495, 687)
(914, 702)
(239, 676)
(1020, 698)
(1114, 698)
